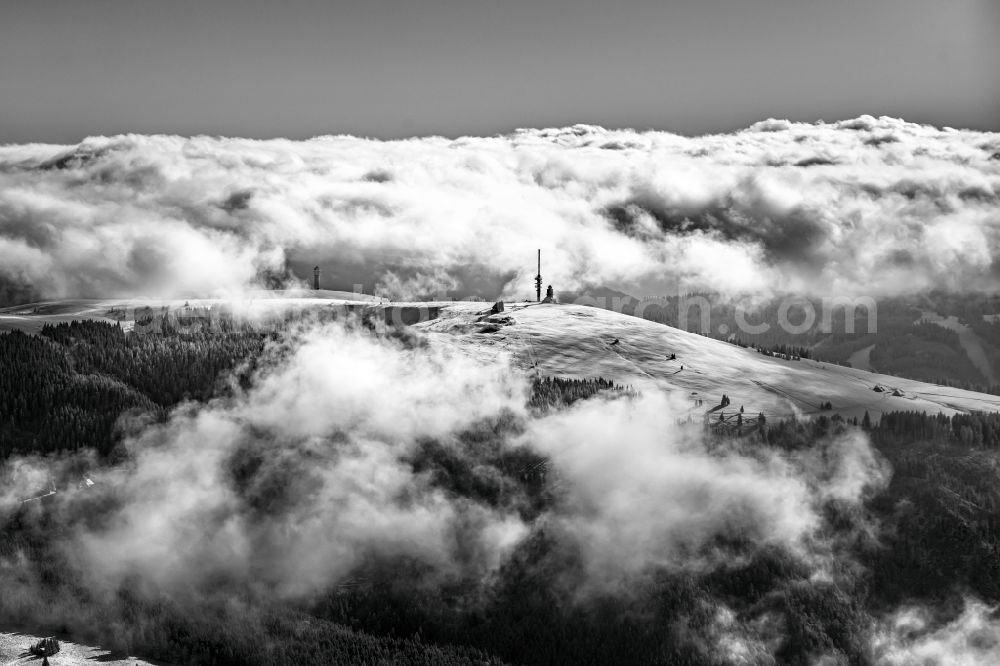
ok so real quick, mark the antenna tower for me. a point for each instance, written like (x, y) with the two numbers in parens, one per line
(538, 278)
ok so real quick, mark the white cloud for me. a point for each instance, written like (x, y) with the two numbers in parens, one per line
(641, 490)
(872, 205)
(912, 636)
(306, 476)
(299, 481)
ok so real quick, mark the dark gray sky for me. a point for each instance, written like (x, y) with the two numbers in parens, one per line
(393, 68)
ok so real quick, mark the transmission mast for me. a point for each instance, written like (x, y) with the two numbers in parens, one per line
(538, 279)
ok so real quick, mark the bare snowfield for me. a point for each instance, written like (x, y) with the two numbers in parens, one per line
(14, 650)
(579, 341)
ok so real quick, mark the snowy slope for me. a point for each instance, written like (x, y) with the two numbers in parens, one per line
(575, 341)
(14, 650)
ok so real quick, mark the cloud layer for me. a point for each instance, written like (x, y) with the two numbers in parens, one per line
(641, 490)
(318, 474)
(302, 480)
(866, 206)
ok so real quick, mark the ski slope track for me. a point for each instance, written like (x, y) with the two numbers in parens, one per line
(577, 341)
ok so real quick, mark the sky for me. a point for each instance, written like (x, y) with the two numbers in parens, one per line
(398, 68)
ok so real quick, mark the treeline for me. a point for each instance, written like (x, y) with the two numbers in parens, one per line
(993, 389)
(943, 507)
(46, 406)
(788, 352)
(976, 430)
(549, 392)
(66, 388)
(940, 512)
(167, 364)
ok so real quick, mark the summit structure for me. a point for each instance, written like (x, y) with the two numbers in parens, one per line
(538, 279)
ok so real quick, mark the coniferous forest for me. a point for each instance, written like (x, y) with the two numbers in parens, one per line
(65, 389)
(76, 387)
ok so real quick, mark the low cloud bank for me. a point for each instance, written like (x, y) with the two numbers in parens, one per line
(641, 491)
(867, 206)
(304, 478)
(298, 482)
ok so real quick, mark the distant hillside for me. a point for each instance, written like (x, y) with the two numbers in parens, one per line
(581, 341)
(960, 355)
